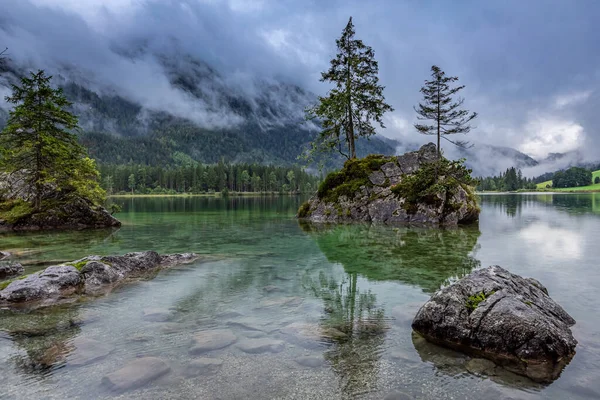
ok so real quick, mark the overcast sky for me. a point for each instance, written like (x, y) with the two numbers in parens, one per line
(531, 67)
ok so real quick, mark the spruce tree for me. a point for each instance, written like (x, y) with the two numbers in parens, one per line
(356, 100)
(38, 144)
(445, 112)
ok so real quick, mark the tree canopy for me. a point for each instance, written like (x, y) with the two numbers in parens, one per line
(572, 177)
(348, 110)
(440, 107)
(39, 145)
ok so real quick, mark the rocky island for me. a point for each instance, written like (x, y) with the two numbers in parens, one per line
(61, 209)
(503, 317)
(414, 188)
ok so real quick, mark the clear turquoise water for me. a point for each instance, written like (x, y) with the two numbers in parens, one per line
(345, 295)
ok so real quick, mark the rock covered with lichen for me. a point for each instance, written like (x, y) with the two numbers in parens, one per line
(397, 189)
(503, 317)
(89, 275)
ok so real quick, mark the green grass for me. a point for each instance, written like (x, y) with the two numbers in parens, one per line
(588, 188)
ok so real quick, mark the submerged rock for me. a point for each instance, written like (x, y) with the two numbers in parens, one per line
(212, 340)
(86, 276)
(88, 350)
(310, 361)
(136, 373)
(365, 191)
(203, 366)
(503, 317)
(10, 269)
(263, 345)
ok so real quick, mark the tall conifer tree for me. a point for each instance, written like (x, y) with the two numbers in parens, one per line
(439, 107)
(347, 112)
(38, 144)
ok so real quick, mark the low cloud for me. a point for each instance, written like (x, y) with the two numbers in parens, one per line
(534, 84)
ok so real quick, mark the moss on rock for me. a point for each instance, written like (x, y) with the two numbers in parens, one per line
(348, 181)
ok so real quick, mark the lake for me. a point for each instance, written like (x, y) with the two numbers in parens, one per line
(315, 312)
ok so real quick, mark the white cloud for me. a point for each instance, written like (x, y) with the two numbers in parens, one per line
(557, 243)
(544, 134)
(571, 99)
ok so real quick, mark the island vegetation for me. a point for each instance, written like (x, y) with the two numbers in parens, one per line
(48, 180)
(416, 187)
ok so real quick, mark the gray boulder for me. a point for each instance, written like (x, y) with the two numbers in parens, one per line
(87, 276)
(52, 282)
(4, 255)
(10, 269)
(97, 274)
(503, 317)
(373, 196)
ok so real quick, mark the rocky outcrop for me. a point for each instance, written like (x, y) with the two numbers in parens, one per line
(368, 190)
(60, 211)
(89, 275)
(8, 269)
(75, 214)
(503, 317)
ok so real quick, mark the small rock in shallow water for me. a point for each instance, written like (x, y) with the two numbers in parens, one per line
(88, 350)
(10, 269)
(212, 340)
(203, 366)
(272, 288)
(396, 395)
(283, 302)
(4, 254)
(310, 361)
(481, 366)
(136, 373)
(156, 314)
(256, 346)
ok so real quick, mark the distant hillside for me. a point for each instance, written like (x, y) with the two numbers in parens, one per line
(215, 119)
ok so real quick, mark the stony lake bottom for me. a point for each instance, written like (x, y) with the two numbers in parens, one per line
(332, 304)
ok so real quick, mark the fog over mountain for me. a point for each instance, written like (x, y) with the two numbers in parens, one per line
(530, 68)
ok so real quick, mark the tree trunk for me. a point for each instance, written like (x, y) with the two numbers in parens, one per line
(38, 157)
(350, 132)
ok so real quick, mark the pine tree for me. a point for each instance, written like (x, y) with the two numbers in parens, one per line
(357, 98)
(439, 106)
(38, 144)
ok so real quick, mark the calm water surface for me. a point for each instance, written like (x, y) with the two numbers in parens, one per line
(343, 296)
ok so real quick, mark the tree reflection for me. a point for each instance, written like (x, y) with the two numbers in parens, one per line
(354, 325)
(427, 258)
(43, 335)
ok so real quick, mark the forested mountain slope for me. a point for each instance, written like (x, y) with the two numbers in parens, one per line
(212, 118)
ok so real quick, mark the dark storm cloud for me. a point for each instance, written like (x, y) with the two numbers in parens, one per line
(531, 67)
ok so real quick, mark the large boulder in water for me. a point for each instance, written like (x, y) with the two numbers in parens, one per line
(88, 275)
(52, 282)
(370, 190)
(501, 316)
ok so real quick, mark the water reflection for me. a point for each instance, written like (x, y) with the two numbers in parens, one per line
(355, 325)
(43, 335)
(428, 258)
